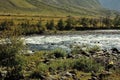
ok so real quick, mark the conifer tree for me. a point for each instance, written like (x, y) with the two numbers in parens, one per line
(60, 25)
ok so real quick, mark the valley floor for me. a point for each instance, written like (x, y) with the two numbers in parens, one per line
(82, 63)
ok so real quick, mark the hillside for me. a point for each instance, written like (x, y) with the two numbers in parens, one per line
(52, 7)
(111, 4)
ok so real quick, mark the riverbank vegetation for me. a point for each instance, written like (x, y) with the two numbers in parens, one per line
(40, 25)
(82, 63)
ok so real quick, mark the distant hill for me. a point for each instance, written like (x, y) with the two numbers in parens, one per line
(111, 4)
(52, 7)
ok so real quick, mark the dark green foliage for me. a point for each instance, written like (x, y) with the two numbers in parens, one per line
(47, 25)
(37, 75)
(77, 50)
(42, 67)
(69, 23)
(14, 74)
(85, 22)
(25, 27)
(107, 22)
(10, 47)
(93, 22)
(60, 25)
(117, 21)
(50, 25)
(28, 27)
(62, 64)
(39, 24)
(6, 24)
(25, 24)
(82, 64)
(59, 53)
(40, 27)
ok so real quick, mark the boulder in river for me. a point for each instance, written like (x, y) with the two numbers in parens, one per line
(115, 50)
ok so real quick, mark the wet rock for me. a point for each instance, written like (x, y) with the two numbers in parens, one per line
(70, 56)
(93, 74)
(46, 61)
(52, 43)
(94, 78)
(68, 74)
(51, 77)
(94, 56)
(100, 52)
(85, 53)
(73, 72)
(115, 50)
(63, 78)
(115, 55)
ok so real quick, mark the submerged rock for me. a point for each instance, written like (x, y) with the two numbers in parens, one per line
(115, 50)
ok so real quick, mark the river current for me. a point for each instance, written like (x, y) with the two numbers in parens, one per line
(105, 39)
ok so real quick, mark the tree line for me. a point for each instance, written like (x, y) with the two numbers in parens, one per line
(70, 23)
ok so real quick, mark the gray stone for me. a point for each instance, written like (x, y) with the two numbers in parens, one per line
(94, 78)
(68, 74)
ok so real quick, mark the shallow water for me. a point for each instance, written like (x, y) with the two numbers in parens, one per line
(105, 39)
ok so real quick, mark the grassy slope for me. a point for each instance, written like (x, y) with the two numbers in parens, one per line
(22, 4)
(52, 7)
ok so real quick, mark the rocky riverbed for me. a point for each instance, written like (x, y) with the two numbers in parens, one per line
(108, 42)
(83, 60)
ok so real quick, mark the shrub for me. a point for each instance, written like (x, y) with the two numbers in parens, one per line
(50, 25)
(87, 65)
(61, 64)
(60, 25)
(77, 50)
(40, 54)
(85, 50)
(70, 22)
(37, 75)
(42, 67)
(10, 47)
(94, 48)
(58, 53)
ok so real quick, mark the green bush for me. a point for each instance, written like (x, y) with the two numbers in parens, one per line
(36, 75)
(42, 67)
(40, 54)
(85, 48)
(58, 53)
(9, 49)
(61, 64)
(87, 65)
(94, 48)
(77, 50)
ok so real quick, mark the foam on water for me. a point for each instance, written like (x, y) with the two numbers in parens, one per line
(105, 41)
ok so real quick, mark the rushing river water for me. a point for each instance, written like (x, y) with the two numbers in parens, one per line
(105, 39)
